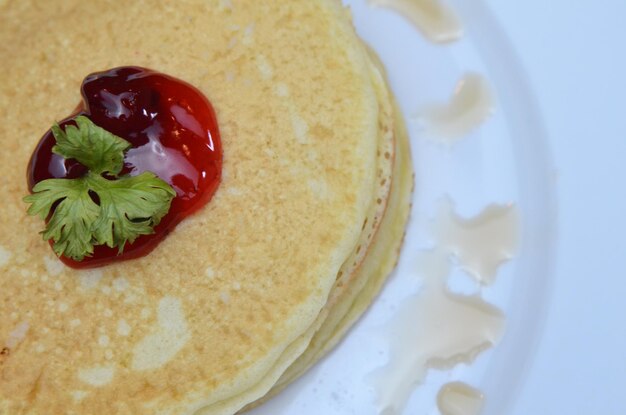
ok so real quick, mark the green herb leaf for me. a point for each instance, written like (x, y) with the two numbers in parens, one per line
(71, 223)
(93, 210)
(92, 146)
(130, 207)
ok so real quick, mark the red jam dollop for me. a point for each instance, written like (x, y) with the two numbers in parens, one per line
(174, 134)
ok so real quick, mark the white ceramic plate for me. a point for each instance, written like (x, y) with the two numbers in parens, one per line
(505, 160)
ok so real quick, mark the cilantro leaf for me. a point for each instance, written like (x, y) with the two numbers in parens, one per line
(130, 207)
(92, 146)
(94, 210)
(70, 224)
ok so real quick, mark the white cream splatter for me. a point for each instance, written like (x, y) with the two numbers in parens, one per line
(248, 35)
(5, 256)
(120, 284)
(166, 340)
(458, 398)
(437, 21)
(300, 127)
(225, 5)
(320, 188)
(123, 328)
(145, 313)
(281, 89)
(97, 376)
(434, 329)
(482, 243)
(103, 340)
(210, 272)
(265, 68)
(18, 335)
(225, 297)
(470, 106)
(54, 266)
(79, 395)
(234, 191)
(90, 279)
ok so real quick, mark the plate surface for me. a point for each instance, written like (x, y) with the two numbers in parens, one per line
(572, 55)
(506, 160)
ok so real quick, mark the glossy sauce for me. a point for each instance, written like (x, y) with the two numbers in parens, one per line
(173, 131)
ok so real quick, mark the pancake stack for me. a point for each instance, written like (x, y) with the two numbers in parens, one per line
(246, 294)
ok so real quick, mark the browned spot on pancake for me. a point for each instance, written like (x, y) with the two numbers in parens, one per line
(4, 354)
(34, 391)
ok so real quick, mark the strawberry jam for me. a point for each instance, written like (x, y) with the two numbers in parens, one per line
(174, 134)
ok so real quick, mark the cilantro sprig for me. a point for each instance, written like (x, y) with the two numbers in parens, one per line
(100, 208)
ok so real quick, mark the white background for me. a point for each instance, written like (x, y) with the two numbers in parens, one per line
(574, 54)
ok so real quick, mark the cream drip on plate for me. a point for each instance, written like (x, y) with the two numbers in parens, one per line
(458, 398)
(433, 329)
(482, 243)
(437, 21)
(470, 105)
(439, 329)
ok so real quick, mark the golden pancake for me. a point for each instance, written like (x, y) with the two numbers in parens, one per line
(367, 279)
(250, 291)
